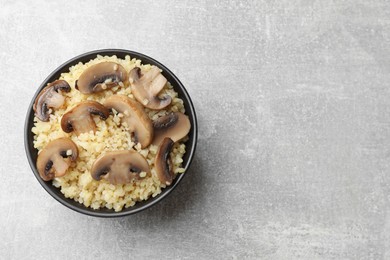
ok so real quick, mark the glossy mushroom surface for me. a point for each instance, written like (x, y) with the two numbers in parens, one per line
(119, 167)
(79, 119)
(147, 87)
(100, 77)
(175, 125)
(163, 162)
(134, 116)
(50, 98)
(56, 157)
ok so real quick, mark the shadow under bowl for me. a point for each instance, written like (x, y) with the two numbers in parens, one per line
(32, 153)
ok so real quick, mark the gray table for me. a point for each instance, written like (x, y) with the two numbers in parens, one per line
(293, 103)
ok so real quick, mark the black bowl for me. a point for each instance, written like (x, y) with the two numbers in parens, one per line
(32, 153)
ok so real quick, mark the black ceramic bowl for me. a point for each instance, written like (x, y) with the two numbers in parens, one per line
(32, 153)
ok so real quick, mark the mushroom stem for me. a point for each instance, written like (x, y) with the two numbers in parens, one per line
(56, 100)
(60, 165)
(88, 124)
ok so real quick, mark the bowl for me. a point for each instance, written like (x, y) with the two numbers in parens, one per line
(32, 153)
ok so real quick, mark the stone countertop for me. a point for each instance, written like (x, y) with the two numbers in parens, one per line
(293, 103)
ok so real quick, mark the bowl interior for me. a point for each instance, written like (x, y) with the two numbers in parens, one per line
(32, 153)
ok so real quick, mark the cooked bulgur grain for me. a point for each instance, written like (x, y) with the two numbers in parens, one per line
(78, 184)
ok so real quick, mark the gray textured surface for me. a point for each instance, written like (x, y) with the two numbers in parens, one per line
(293, 103)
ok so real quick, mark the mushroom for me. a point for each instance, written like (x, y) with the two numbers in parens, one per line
(101, 76)
(55, 159)
(119, 167)
(175, 125)
(50, 97)
(163, 162)
(133, 114)
(79, 119)
(147, 87)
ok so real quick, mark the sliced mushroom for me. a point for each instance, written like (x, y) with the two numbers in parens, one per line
(50, 97)
(147, 87)
(175, 125)
(79, 119)
(55, 159)
(163, 162)
(134, 116)
(119, 167)
(101, 76)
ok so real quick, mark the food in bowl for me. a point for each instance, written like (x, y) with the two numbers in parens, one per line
(110, 132)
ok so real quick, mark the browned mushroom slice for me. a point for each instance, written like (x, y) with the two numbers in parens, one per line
(175, 125)
(147, 87)
(134, 116)
(119, 167)
(101, 76)
(55, 159)
(163, 162)
(50, 97)
(79, 119)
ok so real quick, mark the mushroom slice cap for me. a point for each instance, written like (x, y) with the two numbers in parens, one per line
(175, 125)
(119, 167)
(101, 76)
(50, 97)
(79, 119)
(163, 162)
(136, 119)
(147, 87)
(56, 157)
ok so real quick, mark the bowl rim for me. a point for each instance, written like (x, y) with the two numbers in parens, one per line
(129, 211)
